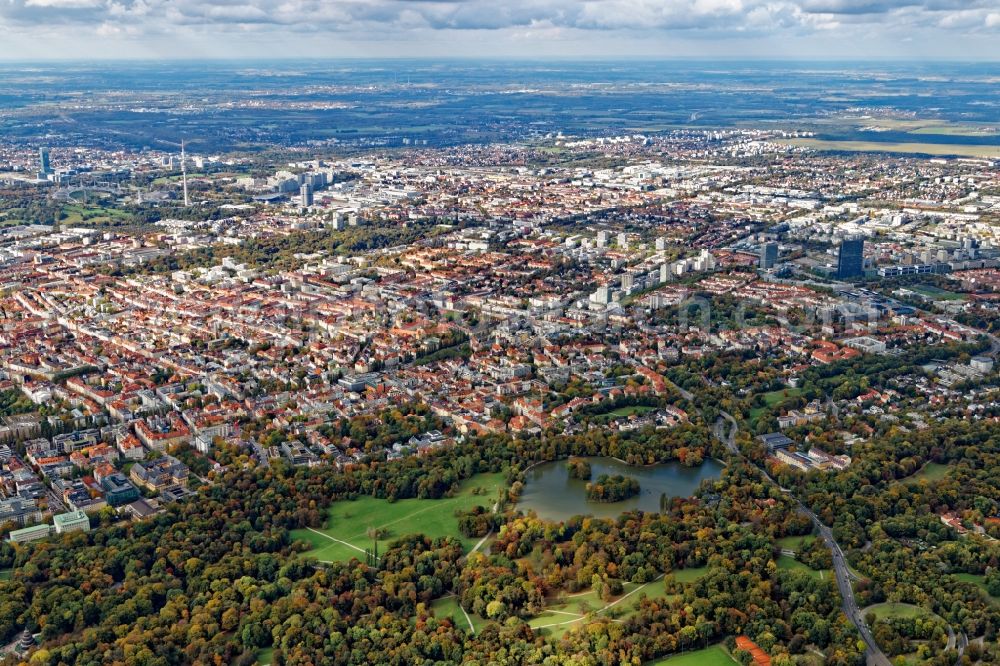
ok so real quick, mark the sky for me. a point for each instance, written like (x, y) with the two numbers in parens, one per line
(783, 29)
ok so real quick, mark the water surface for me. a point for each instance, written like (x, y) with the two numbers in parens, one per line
(554, 496)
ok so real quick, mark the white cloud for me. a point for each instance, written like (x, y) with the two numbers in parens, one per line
(229, 21)
(64, 4)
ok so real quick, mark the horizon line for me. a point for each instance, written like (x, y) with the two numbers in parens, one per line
(506, 58)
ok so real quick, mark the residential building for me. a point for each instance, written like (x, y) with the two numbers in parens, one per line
(20, 510)
(159, 473)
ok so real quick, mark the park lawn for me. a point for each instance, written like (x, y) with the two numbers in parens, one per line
(568, 612)
(315, 540)
(176, 178)
(448, 607)
(791, 564)
(580, 603)
(795, 543)
(929, 472)
(629, 411)
(563, 613)
(715, 655)
(554, 625)
(79, 213)
(627, 602)
(978, 581)
(347, 522)
(552, 622)
(689, 575)
(654, 590)
(772, 398)
(938, 294)
(896, 610)
(970, 578)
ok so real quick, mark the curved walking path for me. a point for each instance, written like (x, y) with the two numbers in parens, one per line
(349, 545)
(480, 543)
(580, 617)
(468, 619)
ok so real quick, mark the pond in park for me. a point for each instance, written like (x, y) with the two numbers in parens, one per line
(553, 495)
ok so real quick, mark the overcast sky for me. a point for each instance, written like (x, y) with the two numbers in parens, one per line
(824, 29)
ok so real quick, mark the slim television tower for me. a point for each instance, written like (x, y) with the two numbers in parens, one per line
(184, 175)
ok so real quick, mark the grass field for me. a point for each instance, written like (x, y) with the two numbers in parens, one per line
(791, 564)
(929, 472)
(936, 293)
(904, 148)
(5, 574)
(921, 126)
(565, 612)
(448, 607)
(79, 213)
(176, 178)
(629, 411)
(772, 398)
(715, 655)
(902, 611)
(265, 656)
(956, 130)
(980, 582)
(795, 543)
(689, 575)
(345, 533)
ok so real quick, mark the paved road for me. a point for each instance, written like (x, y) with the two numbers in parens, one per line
(874, 654)
(56, 504)
(687, 395)
(730, 439)
(963, 642)
(994, 344)
(841, 571)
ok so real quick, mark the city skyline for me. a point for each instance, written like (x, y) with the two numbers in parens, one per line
(674, 339)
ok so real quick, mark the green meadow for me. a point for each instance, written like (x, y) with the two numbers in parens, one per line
(345, 532)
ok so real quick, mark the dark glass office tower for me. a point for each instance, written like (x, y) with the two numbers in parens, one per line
(768, 255)
(851, 258)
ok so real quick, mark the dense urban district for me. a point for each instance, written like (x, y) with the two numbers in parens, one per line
(697, 396)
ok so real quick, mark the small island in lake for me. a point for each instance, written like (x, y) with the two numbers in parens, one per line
(578, 468)
(612, 488)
